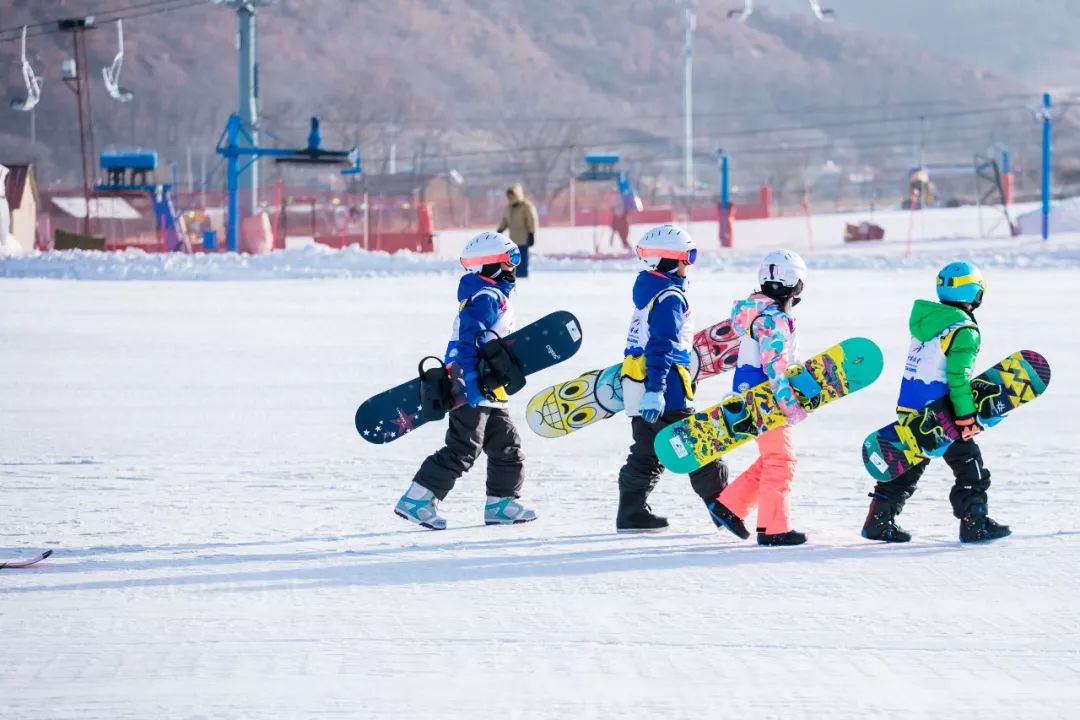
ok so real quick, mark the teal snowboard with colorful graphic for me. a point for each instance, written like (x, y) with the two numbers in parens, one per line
(705, 436)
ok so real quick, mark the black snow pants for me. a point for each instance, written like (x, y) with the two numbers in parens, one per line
(643, 469)
(969, 489)
(471, 431)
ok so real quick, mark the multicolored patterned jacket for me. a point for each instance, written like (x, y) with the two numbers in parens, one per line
(768, 348)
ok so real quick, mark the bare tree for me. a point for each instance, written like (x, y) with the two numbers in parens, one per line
(542, 153)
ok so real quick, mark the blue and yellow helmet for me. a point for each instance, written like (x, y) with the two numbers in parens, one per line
(961, 282)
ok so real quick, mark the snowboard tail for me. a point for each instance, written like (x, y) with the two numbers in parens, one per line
(29, 562)
(914, 438)
(598, 394)
(539, 345)
(705, 436)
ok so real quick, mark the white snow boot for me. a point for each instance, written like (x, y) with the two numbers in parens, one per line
(506, 511)
(419, 505)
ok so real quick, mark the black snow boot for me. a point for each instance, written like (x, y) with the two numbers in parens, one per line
(635, 516)
(724, 518)
(977, 526)
(791, 537)
(881, 522)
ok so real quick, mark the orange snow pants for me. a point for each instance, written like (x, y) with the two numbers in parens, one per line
(766, 484)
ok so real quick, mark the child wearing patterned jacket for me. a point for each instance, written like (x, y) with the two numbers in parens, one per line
(482, 425)
(769, 346)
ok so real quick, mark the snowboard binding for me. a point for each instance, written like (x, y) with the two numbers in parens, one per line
(436, 391)
(807, 389)
(499, 369)
(737, 417)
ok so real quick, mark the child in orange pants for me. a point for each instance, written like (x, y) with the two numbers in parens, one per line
(768, 347)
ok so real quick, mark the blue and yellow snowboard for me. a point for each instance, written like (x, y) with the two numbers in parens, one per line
(912, 440)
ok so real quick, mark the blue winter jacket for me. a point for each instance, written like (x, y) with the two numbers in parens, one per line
(480, 313)
(662, 351)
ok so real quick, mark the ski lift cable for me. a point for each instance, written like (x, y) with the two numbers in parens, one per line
(102, 13)
(838, 109)
(144, 9)
(760, 131)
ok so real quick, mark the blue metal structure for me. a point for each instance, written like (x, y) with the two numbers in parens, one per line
(602, 166)
(725, 180)
(133, 172)
(241, 152)
(1047, 121)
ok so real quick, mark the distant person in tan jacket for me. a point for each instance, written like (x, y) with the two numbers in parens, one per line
(520, 220)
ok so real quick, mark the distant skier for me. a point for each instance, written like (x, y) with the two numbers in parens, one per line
(484, 294)
(657, 386)
(768, 348)
(945, 341)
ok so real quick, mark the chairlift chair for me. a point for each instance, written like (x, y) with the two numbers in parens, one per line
(742, 15)
(33, 83)
(823, 14)
(111, 74)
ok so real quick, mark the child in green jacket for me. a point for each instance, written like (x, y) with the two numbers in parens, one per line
(944, 345)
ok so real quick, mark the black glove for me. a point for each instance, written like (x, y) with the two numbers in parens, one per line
(531, 240)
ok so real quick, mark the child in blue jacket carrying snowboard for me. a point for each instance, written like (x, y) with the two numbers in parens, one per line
(482, 425)
(656, 380)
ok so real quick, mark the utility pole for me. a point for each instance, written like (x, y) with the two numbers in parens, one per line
(689, 22)
(1047, 136)
(248, 88)
(72, 75)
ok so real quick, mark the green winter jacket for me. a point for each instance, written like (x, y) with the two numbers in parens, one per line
(928, 320)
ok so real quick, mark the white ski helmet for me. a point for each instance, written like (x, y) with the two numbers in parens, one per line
(489, 248)
(783, 273)
(666, 242)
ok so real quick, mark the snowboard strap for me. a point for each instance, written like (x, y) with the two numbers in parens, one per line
(660, 296)
(500, 372)
(633, 367)
(947, 338)
(436, 395)
(482, 291)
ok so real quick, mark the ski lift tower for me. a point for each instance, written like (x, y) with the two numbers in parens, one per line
(248, 97)
(237, 145)
(689, 23)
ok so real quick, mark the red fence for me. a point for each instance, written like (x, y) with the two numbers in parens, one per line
(377, 222)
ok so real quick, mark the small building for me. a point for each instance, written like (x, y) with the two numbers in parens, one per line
(125, 221)
(20, 187)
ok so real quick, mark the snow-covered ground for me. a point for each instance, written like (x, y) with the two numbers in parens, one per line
(225, 546)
